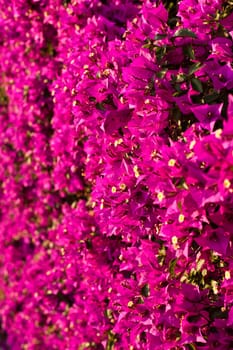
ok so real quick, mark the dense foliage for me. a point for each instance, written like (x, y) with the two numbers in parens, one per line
(116, 172)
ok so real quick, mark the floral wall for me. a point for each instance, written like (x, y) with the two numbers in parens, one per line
(116, 175)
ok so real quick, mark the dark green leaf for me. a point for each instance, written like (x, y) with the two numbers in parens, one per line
(179, 93)
(194, 68)
(148, 44)
(172, 22)
(3, 97)
(188, 51)
(160, 36)
(215, 312)
(100, 106)
(25, 91)
(211, 98)
(161, 73)
(180, 78)
(145, 291)
(108, 313)
(111, 340)
(88, 243)
(191, 347)
(193, 318)
(177, 87)
(139, 300)
(196, 84)
(184, 32)
(172, 265)
(160, 52)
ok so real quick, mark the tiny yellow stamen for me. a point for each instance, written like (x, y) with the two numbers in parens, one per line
(189, 155)
(218, 133)
(227, 183)
(106, 72)
(214, 285)
(181, 218)
(172, 162)
(102, 204)
(175, 242)
(118, 142)
(153, 154)
(114, 189)
(130, 304)
(160, 196)
(227, 275)
(192, 144)
(136, 172)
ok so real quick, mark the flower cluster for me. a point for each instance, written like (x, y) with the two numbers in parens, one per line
(116, 175)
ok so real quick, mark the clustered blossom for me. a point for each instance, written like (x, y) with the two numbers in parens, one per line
(116, 175)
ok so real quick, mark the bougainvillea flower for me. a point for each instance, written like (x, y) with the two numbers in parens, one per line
(217, 240)
(116, 182)
(116, 120)
(207, 114)
(221, 75)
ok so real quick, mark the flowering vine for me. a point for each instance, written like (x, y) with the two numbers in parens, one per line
(116, 174)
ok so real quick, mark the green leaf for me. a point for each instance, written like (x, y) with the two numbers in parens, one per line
(99, 106)
(179, 93)
(48, 49)
(172, 22)
(217, 313)
(3, 97)
(109, 314)
(180, 78)
(160, 52)
(191, 346)
(184, 32)
(111, 340)
(196, 84)
(162, 255)
(25, 91)
(188, 51)
(179, 205)
(160, 36)
(148, 44)
(161, 74)
(66, 3)
(194, 68)
(211, 98)
(145, 291)
(139, 300)
(172, 265)
(178, 88)
(88, 243)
